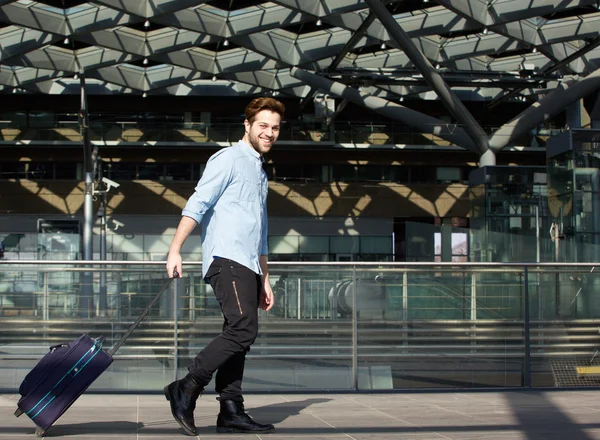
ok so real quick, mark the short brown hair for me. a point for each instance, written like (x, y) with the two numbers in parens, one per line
(260, 104)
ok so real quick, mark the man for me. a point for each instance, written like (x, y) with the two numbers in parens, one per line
(230, 203)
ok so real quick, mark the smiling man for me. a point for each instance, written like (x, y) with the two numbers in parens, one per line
(230, 201)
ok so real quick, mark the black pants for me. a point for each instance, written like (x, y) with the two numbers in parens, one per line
(237, 289)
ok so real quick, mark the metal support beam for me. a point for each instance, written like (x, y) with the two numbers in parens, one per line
(487, 159)
(425, 123)
(431, 75)
(573, 115)
(595, 114)
(350, 44)
(102, 293)
(341, 106)
(89, 158)
(575, 55)
(555, 102)
(308, 98)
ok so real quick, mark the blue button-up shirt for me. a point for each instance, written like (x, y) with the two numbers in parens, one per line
(230, 201)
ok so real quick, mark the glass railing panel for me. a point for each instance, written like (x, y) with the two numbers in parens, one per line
(305, 341)
(498, 325)
(499, 293)
(333, 326)
(564, 325)
(42, 305)
(423, 327)
(376, 299)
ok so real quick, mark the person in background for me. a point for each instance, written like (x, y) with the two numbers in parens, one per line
(230, 202)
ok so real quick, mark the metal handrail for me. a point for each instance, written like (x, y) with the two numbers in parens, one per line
(377, 264)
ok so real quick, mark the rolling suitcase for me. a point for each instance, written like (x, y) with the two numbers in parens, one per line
(65, 372)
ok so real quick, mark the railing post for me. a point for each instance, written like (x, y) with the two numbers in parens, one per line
(299, 298)
(354, 332)
(312, 300)
(192, 298)
(473, 342)
(405, 307)
(473, 296)
(285, 298)
(527, 327)
(118, 289)
(45, 310)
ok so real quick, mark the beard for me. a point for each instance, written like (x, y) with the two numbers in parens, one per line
(255, 143)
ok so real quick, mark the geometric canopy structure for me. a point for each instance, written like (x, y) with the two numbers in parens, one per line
(374, 53)
(239, 47)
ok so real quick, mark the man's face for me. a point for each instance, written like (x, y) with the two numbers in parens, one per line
(264, 131)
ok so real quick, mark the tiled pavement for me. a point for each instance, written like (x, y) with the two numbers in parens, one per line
(498, 415)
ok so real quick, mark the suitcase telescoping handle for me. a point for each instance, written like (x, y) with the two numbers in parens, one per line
(121, 341)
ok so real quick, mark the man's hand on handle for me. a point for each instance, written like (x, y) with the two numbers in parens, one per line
(174, 269)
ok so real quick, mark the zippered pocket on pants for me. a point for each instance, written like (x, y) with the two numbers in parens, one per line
(237, 297)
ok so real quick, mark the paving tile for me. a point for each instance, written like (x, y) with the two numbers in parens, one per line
(523, 415)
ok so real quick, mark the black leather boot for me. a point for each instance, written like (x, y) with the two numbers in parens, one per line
(233, 418)
(182, 394)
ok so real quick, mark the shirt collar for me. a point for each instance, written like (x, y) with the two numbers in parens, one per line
(252, 151)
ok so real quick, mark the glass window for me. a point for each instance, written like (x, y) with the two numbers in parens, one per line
(67, 119)
(343, 173)
(17, 119)
(80, 171)
(370, 173)
(325, 173)
(41, 120)
(376, 245)
(422, 174)
(585, 178)
(460, 246)
(283, 257)
(12, 170)
(39, 170)
(198, 171)
(376, 257)
(288, 172)
(65, 170)
(466, 172)
(132, 244)
(178, 171)
(448, 174)
(314, 245)
(283, 244)
(150, 171)
(399, 173)
(312, 172)
(122, 171)
(314, 257)
(345, 245)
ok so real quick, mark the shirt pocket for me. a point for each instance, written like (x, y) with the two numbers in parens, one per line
(250, 189)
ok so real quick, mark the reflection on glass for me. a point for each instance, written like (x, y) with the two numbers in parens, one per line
(416, 326)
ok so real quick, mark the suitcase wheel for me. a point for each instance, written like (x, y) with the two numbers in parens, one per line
(18, 412)
(40, 432)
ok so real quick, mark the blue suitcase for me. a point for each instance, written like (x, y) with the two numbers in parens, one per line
(65, 372)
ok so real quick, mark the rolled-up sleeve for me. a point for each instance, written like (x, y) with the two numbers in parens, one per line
(211, 186)
(264, 245)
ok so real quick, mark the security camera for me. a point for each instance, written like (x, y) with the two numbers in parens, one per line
(117, 224)
(110, 183)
